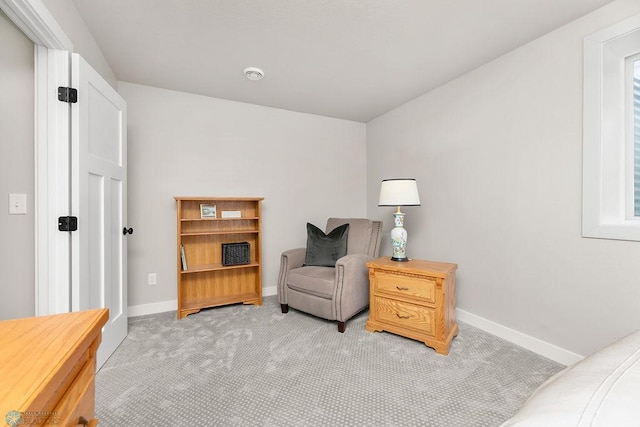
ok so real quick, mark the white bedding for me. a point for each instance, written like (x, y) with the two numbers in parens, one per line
(603, 390)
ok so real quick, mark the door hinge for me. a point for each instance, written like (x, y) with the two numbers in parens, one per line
(67, 223)
(67, 94)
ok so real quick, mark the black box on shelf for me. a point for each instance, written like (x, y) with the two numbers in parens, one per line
(235, 253)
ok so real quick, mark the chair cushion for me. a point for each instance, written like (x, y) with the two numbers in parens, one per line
(314, 280)
(360, 231)
(325, 249)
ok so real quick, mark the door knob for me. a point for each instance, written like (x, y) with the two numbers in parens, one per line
(126, 231)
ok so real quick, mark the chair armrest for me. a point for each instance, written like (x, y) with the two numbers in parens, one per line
(352, 285)
(354, 261)
(293, 258)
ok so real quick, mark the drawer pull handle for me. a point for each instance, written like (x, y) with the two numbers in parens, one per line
(401, 289)
(83, 421)
(402, 317)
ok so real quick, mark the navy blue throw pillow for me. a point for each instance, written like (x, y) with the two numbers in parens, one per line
(325, 249)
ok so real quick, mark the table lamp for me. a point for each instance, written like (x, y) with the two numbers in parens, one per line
(399, 192)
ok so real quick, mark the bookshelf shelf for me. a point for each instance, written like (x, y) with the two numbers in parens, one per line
(214, 267)
(212, 233)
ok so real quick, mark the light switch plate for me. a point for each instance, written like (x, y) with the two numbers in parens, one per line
(17, 204)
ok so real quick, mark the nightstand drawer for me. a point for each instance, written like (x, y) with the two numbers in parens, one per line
(405, 315)
(411, 287)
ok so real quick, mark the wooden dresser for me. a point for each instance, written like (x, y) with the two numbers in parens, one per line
(47, 368)
(415, 299)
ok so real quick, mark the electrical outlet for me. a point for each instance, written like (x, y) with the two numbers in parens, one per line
(151, 279)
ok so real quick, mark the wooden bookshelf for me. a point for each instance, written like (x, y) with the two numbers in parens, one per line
(206, 282)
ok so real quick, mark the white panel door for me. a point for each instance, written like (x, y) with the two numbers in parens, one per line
(98, 199)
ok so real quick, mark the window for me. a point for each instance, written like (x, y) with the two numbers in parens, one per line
(611, 146)
(636, 137)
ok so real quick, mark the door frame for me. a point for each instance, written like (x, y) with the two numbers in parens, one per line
(52, 50)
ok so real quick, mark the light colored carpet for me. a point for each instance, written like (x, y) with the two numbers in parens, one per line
(254, 366)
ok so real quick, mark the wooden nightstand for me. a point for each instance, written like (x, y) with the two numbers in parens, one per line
(415, 299)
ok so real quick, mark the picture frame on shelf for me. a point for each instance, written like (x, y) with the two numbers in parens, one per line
(207, 211)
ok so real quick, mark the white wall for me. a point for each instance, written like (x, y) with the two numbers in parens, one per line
(307, 168)
(67, 16)
(17, 247)
(498, 158)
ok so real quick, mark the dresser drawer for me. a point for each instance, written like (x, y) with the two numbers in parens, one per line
(423, 288)
(79, 399)
(405, 315)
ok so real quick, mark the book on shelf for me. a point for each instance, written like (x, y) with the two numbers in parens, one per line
(231, 214)
(183, 258)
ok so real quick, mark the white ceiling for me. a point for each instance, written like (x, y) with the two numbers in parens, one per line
(350, 59)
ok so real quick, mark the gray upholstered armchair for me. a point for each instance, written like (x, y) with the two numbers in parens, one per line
(334, 293)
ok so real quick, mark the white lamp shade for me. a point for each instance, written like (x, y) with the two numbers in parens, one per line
(399, 192)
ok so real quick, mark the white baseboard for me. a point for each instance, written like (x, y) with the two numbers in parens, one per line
(172, 305)
(536, 345)
(269, 291)
(152, 308)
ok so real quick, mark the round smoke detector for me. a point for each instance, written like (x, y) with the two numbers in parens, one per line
(253, 73)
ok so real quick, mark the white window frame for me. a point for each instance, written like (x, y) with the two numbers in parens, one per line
(606, 166)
